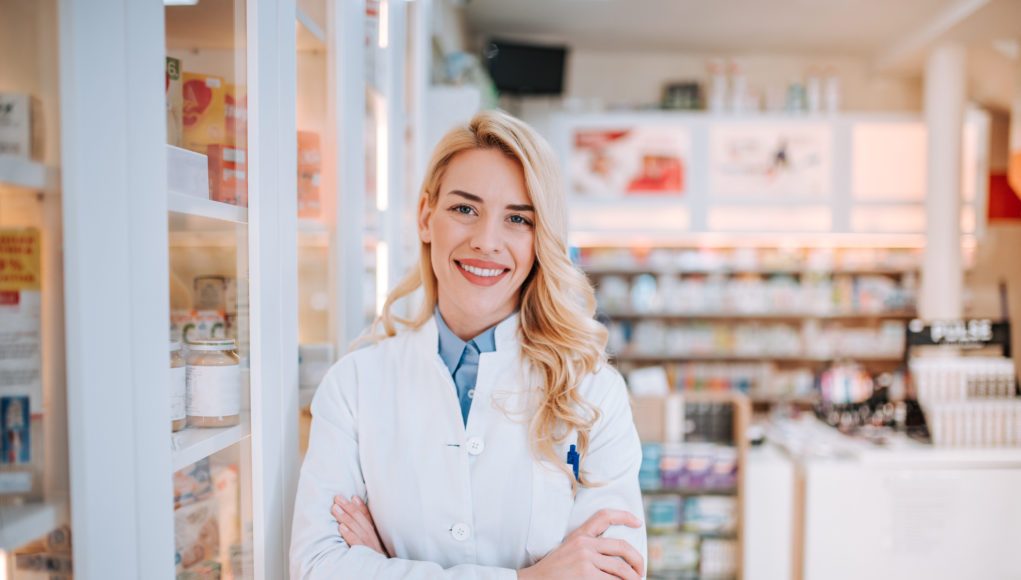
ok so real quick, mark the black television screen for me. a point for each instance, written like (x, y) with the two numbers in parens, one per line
(526, 69)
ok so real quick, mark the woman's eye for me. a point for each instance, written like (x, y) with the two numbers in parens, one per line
(517, 219)
(463, 209)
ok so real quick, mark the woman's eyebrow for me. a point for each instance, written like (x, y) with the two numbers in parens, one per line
(477, 199)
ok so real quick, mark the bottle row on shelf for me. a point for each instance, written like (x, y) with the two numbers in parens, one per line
(751, 294)
(685, 556)
(811, 339)
(691, 468)
(749, 259)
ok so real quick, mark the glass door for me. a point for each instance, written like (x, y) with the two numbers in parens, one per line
(33, 430)
(209, 266)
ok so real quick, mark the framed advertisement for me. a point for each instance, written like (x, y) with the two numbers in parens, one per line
(771, 162)
(634, 161)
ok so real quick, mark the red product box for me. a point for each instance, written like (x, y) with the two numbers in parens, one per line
(228, 174)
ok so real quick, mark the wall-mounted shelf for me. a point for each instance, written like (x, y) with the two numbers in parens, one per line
(663, 357)
(188, 206)
(18, 172)
(898, 315)
(193, 444)
(24, 523)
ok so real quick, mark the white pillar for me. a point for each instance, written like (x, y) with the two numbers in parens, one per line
(942, 276)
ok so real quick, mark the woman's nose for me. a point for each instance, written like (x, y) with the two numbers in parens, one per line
(486, 237)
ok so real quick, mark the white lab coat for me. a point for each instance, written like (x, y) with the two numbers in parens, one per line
(451, 501)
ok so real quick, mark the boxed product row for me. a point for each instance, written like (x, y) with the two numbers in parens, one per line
(975, 423)
(208, 116)
(703, 514)
(748, 339)
(708, 259)
(683, 556)
(207, 526)
(749, 294)
(688, 466)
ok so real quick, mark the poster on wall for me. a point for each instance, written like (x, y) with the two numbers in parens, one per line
(614, 163)
(771, 162)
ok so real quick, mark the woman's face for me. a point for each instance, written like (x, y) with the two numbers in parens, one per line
(481, 238)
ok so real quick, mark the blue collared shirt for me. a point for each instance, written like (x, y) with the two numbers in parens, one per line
(462, 359)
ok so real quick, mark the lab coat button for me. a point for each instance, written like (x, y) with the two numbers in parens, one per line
(476, 446)
(471, 393)
(459, 532)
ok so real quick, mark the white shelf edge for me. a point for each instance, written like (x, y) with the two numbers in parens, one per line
(896, 315)
(196, 206)
(20, 172)
(22, 524)
(192, 444)
(310, 25)
(689, 357)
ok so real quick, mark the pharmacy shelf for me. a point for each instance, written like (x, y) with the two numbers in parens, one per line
(193, 444)
(722, 315)
(687, 357)
(18, 172)
(22, 524)
(206, 209)
(688, 491)
(636, 270)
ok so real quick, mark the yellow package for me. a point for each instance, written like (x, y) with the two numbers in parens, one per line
(204, 114)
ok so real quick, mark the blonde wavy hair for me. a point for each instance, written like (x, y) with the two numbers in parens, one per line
(560, 339)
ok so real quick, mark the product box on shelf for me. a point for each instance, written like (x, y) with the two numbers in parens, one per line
(21, 397)
(236, 116)
(204, 111)
(196, 534)
(21, 126)
(309, 168)
(175, 102)
(228, 175)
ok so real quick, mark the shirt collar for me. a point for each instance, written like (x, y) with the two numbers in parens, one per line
(451, 347)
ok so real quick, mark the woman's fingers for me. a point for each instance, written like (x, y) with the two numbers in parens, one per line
(360, 516)
(596, 525)
(623, 553)
(616, 568)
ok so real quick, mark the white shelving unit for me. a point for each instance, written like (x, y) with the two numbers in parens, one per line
(196, 207)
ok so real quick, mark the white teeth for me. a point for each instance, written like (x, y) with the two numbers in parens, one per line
(481, 272)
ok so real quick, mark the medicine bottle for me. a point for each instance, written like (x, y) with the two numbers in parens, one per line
(178, 388)
(214, 383)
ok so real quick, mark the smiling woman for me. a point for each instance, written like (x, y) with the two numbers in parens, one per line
(485, 437)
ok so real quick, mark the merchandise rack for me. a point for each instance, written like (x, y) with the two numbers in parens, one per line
(651, 415)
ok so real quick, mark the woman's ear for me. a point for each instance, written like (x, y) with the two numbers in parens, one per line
(424, 214)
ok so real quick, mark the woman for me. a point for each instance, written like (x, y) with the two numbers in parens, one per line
(453, 436)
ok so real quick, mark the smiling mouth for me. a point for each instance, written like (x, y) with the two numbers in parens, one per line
(483, 272)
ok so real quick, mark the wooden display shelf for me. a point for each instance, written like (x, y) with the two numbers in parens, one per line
(724, 315)
(690, 357)
(651, 417)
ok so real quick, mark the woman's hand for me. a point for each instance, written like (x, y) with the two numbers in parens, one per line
(584, 554)
(355, 523)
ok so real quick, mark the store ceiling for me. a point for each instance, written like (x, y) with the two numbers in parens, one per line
(894, 33)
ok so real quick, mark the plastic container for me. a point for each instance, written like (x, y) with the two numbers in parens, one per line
(214, 383)
(178, 388)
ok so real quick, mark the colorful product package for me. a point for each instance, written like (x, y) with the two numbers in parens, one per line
(193, 483)
(673, 552)
(196, 534)
(309, 171)
(203, 111)
(663, 513)
(210, 292)
(175, 102)
(21, 132)
(21, 402)
(228, 174)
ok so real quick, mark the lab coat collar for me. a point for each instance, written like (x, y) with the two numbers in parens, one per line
(427, 336)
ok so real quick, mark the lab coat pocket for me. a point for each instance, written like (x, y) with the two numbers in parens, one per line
(552, 501)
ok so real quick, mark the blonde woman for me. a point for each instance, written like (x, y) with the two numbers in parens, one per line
(485, 437)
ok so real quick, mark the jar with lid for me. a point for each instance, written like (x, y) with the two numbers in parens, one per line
(178, 388)
(214, 383)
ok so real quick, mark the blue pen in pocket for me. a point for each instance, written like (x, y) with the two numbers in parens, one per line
(574, 460)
